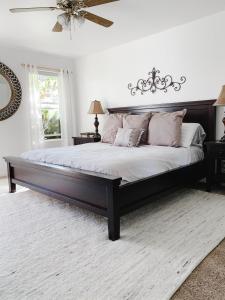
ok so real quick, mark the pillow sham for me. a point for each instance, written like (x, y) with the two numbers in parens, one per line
(165, 128)
(127, 137)
(138, 122)
(112, 123)
(192, 134)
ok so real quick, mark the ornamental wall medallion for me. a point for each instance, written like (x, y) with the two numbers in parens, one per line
(10, 92)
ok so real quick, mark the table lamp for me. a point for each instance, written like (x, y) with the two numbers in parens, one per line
(96, 109)
(221, 102)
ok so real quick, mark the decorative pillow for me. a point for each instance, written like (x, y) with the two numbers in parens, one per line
(165, 128)
(192, 134)
(112, 123)
(138, 122)
(127, 137)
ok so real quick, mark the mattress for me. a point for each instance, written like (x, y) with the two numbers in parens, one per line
(129, 163)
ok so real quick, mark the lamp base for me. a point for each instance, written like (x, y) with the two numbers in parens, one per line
(97, 136)
(223, 138)
(96, 124)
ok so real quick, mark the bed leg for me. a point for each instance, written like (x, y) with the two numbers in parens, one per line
(113, 214)
(12, 186)
(114, 228)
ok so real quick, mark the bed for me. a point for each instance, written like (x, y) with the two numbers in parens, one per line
(111, 193)
(129, 163)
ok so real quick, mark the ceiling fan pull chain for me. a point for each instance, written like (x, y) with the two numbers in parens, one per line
(72, 26)
(71, 20)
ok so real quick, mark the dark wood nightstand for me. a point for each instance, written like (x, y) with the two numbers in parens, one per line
(84, 140)
(215, 156)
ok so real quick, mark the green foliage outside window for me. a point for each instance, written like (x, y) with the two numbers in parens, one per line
(51, 124)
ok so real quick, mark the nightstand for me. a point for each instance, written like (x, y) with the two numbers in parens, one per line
(215, 156)
(84, 140)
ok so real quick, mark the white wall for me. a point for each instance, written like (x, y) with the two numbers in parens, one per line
(196, 50)
(14, 138)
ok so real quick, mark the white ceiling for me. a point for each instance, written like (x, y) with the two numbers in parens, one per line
(133, 19)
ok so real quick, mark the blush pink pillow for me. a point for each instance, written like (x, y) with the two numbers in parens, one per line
(139, 122)
(112, 123)
(165, 129)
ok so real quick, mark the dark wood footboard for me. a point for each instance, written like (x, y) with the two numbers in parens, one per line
(93, 191)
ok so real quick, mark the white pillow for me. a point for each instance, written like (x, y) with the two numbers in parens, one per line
(127, 137)
(192, 134)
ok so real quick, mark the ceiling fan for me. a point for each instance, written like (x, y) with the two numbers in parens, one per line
(73, 11)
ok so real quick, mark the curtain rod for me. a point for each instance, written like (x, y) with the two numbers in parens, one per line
(43, 68)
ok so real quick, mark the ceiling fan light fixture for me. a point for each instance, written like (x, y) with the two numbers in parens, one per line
(80, 19)
(64, 20)
(68, 21)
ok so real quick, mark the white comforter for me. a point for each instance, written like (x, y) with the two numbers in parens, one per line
(129, 163)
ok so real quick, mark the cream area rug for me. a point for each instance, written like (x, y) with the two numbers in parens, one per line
(50, 250)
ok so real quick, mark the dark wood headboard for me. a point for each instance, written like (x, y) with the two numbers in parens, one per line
(202, 112)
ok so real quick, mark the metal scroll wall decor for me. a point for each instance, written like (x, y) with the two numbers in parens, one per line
(10, 105)
(155, 82)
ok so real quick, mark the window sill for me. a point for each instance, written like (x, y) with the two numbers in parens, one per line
(53, 140)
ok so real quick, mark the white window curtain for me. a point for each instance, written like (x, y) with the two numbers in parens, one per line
(67, 106)
(36, 132)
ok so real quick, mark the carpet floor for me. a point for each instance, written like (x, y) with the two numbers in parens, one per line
(50, 250)
(207, 281)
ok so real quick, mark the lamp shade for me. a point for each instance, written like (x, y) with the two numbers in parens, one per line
(96, 108)
(221, 100)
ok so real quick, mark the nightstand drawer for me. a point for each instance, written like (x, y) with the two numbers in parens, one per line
(215, 168)
(217, 151)
(85, 140)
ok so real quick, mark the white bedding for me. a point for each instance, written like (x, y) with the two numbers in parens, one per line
(129, 163)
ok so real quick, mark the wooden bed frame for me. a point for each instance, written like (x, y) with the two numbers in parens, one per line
(104, 194)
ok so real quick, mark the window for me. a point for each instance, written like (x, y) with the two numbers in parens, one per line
(48, 84)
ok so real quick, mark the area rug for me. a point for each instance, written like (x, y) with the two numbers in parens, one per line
(50, 250)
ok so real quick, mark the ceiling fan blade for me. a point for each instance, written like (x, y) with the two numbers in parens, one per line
(96, 19)
(31, 9)
(90, 3)
(57, 28)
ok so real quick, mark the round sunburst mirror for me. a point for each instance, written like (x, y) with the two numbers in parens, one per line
(10, 92)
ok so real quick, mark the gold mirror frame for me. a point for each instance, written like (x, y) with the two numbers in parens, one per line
(16, 93)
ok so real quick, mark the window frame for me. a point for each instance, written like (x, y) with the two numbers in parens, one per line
(46, 73)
